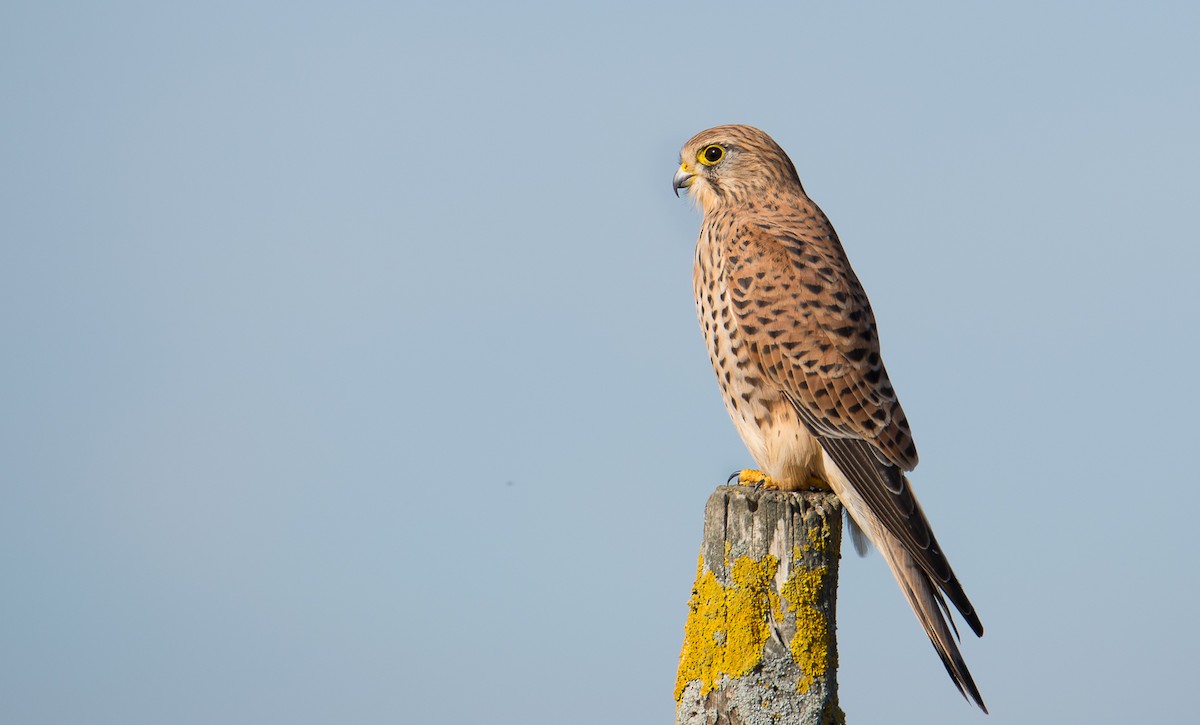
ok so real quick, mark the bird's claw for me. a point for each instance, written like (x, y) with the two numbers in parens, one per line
(753, 477)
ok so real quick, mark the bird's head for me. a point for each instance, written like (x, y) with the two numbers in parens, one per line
(732, 164)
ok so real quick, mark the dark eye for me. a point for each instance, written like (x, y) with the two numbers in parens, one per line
(710, 154)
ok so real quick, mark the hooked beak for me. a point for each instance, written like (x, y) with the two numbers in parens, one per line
(683, 179)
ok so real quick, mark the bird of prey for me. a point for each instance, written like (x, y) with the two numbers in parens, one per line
(793, 341)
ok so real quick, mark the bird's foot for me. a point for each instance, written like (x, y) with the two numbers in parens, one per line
(753, 477)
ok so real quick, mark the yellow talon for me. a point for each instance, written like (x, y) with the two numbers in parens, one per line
(756, 478)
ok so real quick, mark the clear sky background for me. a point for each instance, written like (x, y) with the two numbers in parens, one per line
(351, 370)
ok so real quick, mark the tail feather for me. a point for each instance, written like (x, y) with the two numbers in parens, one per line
(927, 602)
(923, 572)
(862, 544)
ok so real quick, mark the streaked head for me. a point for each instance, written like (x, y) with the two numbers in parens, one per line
(729, 164)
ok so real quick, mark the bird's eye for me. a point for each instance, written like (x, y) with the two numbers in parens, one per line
(711, 154)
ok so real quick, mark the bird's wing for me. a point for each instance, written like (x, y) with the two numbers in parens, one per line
(794, 290)
(795, 294)
(803, 314)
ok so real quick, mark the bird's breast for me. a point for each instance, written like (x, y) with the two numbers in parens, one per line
(766, 421)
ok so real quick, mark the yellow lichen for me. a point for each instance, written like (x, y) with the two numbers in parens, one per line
(810, 644)
(727, 625)
(819, 536)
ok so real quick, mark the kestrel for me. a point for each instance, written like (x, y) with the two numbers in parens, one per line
(793, 341)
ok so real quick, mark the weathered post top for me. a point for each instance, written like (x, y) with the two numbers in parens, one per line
(759, 644)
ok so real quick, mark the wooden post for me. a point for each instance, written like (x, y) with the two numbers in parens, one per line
(759, 645)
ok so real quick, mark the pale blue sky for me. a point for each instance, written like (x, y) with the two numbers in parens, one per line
(318, 405)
